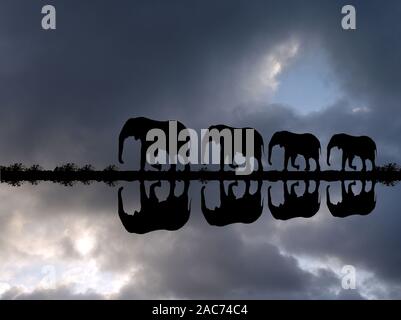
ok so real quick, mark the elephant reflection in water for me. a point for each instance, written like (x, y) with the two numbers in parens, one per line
(305, 206)
(170, 214)
(351, 204)
(246, 209)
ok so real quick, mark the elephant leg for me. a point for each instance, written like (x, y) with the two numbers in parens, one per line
(260, 165)
(286, 192)
(221, 156)
(172, 188)
(317, 186)
(247, 186)
(142, 191)
(317, 164)
(152, 191)
(363, 164)
(343, 162)
(363, 186)
(234, 184)
(221, 163)
(143, 159)
(222, 191)
(286, 158)
(373, 164)
(343, 190)
(307, 183)
(307, 164)
(350, 161)
(293, 158)
(230, 192)
(293, 193)
(157, 166)
(352, 184)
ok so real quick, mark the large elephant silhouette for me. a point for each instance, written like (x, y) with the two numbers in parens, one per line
(246, 209)
(352, 146)
(305, 206)
(351, 204)
(306, 145)
(170, 214)
(257, 150)
(138, 128)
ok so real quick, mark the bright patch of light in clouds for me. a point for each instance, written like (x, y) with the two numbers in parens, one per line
(85, 243)
(264, 80)
(367, 285)
(275, 62)
(360, 109)
(4, 287)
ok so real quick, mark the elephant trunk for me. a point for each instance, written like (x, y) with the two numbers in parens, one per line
(269, 199)
(203, 200)
(275, 140)
(271, 145)
(126, 131)
(329, 204)
(121, 211)
(120, 148)
(124, 217)
(207, 213)
(329, 147)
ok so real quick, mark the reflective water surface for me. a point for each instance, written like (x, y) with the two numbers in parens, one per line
(280, 240)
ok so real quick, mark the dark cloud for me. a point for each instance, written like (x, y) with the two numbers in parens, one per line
(222, 265)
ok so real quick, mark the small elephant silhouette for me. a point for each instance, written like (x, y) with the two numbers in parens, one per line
(306, 145)
(257, 150)
(170, 214)
(246, 209)
(139, 128)
(351, 204)
(353, 146)
(305, 206)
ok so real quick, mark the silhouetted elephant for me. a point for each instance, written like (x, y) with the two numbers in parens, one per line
(305, 206)
(170, 214)
(352, 146)
(306, 145)
(139, 128)
(351, 204)
(257, 150)
(246, 209)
